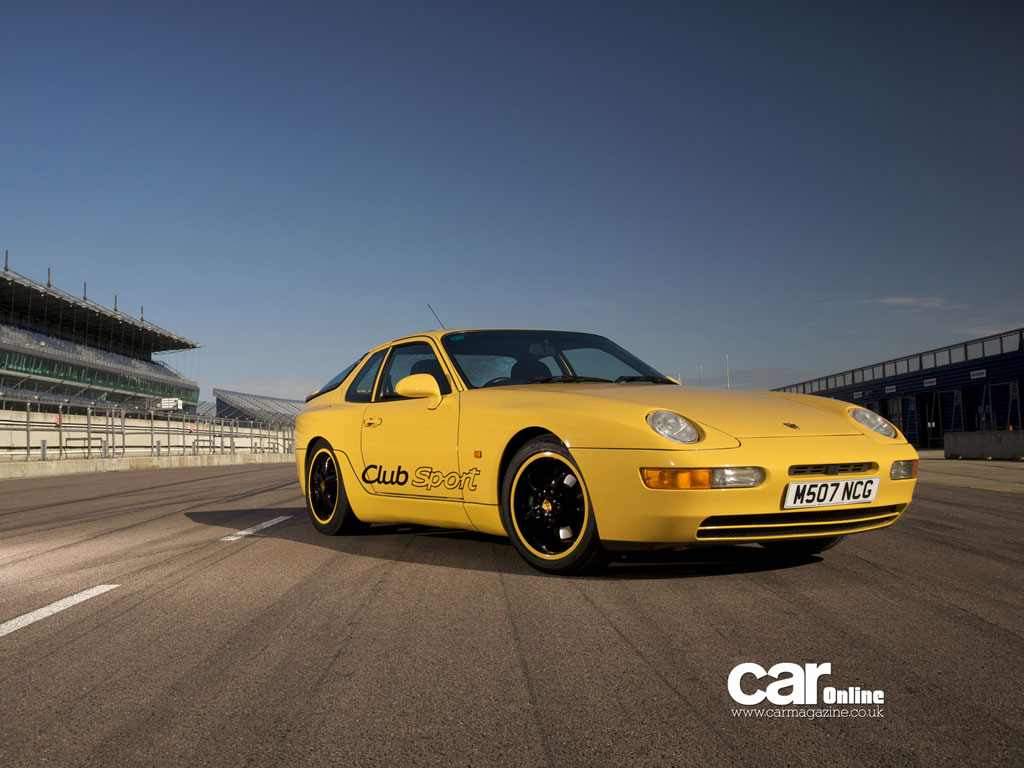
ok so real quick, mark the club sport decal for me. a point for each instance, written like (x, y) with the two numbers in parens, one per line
(427, 478)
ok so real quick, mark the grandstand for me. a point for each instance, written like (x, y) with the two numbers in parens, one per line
(64, 353)
(275, 411)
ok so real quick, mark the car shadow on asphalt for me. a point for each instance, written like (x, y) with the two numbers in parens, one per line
(468, 550)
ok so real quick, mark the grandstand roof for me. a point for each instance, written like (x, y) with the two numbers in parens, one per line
(50, 310)
(915, 365)
(240, 405)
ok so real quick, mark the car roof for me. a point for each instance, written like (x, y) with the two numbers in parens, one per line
(437, 334)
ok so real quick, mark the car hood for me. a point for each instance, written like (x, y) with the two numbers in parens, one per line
(736, 412)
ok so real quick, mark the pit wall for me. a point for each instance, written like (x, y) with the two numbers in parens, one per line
(20, 469)
(994, 444)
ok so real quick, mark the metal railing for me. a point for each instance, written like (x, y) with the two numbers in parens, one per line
(32, 435)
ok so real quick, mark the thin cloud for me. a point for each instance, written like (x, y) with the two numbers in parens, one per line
(916, 303)
(977, 331)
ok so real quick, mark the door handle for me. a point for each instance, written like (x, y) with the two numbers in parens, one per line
(372, 421)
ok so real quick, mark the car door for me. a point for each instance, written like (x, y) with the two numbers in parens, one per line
(410, 449)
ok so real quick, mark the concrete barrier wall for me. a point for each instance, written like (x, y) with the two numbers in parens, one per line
(1001, 444)
(11, 469)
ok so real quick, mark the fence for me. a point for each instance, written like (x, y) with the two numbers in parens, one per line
(31, 435)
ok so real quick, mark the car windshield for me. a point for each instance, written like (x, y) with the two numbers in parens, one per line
(497, 358)
(335, 382)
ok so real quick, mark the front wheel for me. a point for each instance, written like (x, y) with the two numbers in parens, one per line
(326, 502)
(546, 510)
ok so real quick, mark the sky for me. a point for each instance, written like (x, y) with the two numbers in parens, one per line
(805, 187)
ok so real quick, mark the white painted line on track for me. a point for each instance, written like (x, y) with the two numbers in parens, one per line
(30, 618)
(256, 528)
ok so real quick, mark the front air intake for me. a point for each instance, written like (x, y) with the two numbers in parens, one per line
(783, 524)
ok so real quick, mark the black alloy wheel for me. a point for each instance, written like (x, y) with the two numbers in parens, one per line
(326, 502)
(547, 512)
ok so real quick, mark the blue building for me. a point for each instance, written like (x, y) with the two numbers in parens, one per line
(974, 385)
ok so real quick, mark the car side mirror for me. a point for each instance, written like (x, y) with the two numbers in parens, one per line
(420, 385)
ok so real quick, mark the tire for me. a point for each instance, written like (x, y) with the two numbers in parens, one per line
(326, 501)
(547, 512)
(801, 547)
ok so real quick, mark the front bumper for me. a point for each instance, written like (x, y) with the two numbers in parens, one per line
(629, 513)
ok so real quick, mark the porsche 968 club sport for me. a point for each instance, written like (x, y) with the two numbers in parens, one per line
(574, 449)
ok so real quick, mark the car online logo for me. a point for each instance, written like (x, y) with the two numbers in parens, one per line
(423, 477)
(793, 684)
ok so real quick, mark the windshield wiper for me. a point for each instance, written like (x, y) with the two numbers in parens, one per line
(653, 379)
(565, 379)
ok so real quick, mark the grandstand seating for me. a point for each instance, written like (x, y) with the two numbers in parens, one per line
(12, 399)
(52, 347)
(206, 409)
(248, 407)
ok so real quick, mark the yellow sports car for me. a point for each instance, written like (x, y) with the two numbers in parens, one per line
(574, 448)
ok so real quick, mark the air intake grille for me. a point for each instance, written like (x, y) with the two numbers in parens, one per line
(832, 469)
(778, 524)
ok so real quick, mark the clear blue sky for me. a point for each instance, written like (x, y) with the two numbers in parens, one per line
(803, 186)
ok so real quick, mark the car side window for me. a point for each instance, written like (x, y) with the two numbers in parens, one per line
(406, 360)
(361, 388)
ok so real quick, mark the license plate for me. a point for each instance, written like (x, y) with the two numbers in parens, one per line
(831, 493)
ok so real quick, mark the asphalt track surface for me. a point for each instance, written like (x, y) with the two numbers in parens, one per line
(414, 646)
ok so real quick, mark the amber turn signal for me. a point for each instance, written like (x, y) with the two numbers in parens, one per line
(675, 479)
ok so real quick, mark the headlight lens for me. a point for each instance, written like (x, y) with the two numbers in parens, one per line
(737, 477)
(873, 421)
(673, 426)
(903, 470)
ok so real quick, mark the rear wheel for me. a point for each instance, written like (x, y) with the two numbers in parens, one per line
(326, 502)
(546, 510)
(801, 547)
